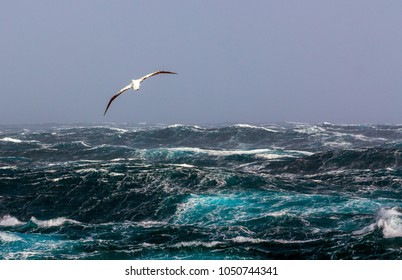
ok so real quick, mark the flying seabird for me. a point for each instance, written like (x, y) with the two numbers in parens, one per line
(135, 85)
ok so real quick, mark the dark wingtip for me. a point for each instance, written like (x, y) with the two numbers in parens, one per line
(167, 72)
(106, 111)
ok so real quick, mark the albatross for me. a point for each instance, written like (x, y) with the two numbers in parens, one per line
(135, 85)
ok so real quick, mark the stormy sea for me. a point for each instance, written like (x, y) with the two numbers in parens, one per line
(231, 191)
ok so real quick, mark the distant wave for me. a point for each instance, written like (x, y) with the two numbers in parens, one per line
(9, 139)
(254, 127)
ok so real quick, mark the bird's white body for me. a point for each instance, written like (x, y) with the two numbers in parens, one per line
(135, 85)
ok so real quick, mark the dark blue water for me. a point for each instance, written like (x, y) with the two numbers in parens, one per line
(280, 191)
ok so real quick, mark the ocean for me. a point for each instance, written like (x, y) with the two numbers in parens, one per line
(232, 191)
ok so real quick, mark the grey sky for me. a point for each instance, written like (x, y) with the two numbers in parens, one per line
(238, 61)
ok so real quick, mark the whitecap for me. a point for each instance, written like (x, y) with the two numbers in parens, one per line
(9, 221)
(300, 152)
(243, 239)
(8, 237)
(240, 125)
(124, 159)
(13, 167)
(338, 144)
(220, 152)
(17, 141)
(277, 214)
(150, 224)
(259, 153)
(82, 143)
(53, 222)
(273, 156)
(175, 125)
(9, 139)
(362, 137)
(387, 219)
(283, 241)
(194, 127)
(197, 244)
(121, 130)
(88, 170)
(305, 129)
(116, 174)
(390, 220)
(184, 165)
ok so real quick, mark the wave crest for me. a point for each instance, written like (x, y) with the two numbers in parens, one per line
(389, 220)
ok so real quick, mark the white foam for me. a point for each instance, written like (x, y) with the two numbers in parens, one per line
(184, 165)
(389, 220)
(150, 224)
(9, 139)
(82, 143)
(259, 153)
(197, 244)
(338, 144)
(116, 174)
(240, 125)
(243, 239)
(300, 152)
(53, 222)
(310, 129)
(220, 152)
(91, 170)
(175, 125)
(367, 139)
(8, 167)
(9, 221)
(186, 126)
(278, 214)
(118, 129)
(118, 159)
(273, 156)
(8, 237)
(283, 241)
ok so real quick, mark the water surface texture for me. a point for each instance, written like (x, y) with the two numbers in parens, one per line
(277, 191)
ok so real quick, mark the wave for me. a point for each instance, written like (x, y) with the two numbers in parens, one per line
(8, 237)
(9, 139)
(178, 125)
(53, 222)
(341, 160)
(263, 153)
(244, 239)
(197, 244)
(220, 152)
(255, 127)
(389, 220)
(310, 129)
(18, 141)
(10, 221)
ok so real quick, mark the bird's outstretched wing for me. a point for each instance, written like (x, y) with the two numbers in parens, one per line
(155, 73)
(115, 96)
